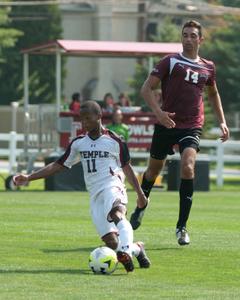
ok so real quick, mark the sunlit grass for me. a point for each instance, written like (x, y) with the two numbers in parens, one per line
(46, 238)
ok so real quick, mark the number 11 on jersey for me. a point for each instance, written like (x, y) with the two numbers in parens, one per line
(91, 165)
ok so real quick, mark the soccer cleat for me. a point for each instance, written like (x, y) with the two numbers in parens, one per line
(182, 236)
(126, 260)
(143, 260)
(136, 216)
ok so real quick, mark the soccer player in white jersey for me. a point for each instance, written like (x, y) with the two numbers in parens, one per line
(105, 158)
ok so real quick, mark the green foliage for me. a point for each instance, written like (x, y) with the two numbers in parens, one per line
(136, 83)
(4, 16)
(8, 35)
(231, 3)
(168, 32)
(223, 48)
(39, 24)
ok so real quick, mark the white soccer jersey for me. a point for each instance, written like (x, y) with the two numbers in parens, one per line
(102, 160)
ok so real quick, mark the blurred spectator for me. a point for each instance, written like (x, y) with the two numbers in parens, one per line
(74, 106)
(108, 103)
(124, 100)
(117, 126)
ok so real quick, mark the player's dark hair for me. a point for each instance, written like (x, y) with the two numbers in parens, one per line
(194, 24)
(91, 106)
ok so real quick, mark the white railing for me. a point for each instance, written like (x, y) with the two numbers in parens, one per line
(12, 151)
(219, 155)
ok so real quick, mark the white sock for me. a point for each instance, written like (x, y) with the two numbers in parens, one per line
(125, 232)
(135, 249)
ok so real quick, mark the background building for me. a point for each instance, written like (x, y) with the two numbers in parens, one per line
(132, 20)
(93, 77)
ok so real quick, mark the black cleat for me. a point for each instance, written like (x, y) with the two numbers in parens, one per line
(126, 260)
(136, 217)
(143, 260)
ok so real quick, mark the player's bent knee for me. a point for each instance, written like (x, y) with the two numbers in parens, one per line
(111, 240)
(188, 171)
(118, 213)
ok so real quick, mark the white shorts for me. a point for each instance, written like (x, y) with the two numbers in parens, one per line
(102, 204)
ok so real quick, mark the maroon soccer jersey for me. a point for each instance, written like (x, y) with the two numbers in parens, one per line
(183, 81)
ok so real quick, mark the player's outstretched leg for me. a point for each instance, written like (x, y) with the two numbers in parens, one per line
(124, 251)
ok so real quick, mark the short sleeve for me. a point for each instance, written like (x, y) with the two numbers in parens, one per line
(212, 78)
(162, 69)
(70, 157)
(124, 154)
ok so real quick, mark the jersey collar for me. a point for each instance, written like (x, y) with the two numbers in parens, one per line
(189, 59)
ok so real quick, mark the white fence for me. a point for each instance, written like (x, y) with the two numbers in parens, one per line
(218, 152)
(12, 151)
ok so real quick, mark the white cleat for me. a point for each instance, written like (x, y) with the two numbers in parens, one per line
(182, 236)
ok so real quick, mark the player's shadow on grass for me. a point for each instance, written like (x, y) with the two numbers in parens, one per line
(86, 249)
(164, 248)
(67, 271)
(89, 249)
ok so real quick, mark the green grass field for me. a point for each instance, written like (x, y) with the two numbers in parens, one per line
(46, 238)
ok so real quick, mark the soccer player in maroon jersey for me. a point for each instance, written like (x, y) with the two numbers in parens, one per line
(183, 77)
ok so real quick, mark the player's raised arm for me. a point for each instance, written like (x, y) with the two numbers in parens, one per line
(132, 179)
(51, 169)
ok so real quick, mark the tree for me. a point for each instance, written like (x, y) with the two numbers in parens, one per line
(136, 82)
(39, 24)
(168, 32)
(223, 48)
(8, 37)
(231, 3)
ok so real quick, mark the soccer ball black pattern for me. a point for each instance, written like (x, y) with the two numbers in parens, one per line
(103, 260)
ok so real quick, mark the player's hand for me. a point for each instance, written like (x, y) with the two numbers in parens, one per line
(225, 132)
(165, 118)
(20, 179)
(142, 201)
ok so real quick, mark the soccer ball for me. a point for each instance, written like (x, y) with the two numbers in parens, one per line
(103, 260)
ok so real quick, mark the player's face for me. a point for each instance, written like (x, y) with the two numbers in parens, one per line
(191, 40)
(90, 121)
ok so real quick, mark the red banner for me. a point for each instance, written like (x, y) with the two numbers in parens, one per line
(141, 126)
